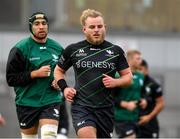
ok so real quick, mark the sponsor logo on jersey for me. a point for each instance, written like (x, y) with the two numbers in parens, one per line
(34, 58)
(42, 47)
(95, 64)
(95, 49)
(81, 53)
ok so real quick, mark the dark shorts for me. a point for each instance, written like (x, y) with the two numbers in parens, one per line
(148, 131)
(124, 128)
(100, 118)
(30, 116)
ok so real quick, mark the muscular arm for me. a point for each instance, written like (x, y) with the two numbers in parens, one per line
(159, 106)
(157, 109)
(124, 80)
(59, 73)
(69, 92)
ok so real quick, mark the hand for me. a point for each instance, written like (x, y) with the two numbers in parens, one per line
(144, 119)
(54, 85)
(131, 105)
(108, 81)
(2, 120)
(44, 71)
(69, 93)
(143, 103)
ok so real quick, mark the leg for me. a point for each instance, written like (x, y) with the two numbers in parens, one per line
(63, 126)
(48, 121)
(48, 128)
(104, 122)
(28, 121)
(133, 136)
(125, 129)
(84, 121)
(30, 133)
(87, 132)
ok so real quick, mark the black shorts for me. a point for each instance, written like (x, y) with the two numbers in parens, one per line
(148, 131)
(125, 128)
(100, 118)
(30, 116)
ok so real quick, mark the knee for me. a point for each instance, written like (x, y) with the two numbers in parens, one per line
(29, 136)
(49, 131)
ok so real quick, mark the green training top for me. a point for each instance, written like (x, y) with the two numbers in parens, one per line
(131, 93)
(26, 56)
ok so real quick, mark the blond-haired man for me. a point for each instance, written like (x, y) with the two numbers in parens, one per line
(95, 62)
(126, 106)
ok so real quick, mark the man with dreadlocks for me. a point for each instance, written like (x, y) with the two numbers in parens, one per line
(29, 70)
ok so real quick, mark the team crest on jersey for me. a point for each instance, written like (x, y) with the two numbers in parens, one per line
(81, 52)
(55, 57)
(110, 53)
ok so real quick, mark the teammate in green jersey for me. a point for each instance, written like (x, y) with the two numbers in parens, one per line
(126, 100)
(29, 70)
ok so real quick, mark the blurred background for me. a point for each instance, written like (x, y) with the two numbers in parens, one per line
(151, 26)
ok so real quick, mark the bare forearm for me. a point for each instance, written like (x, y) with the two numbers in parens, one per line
(58, 73)
(158, 108)
(124, 80)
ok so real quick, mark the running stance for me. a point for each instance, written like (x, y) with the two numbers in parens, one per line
(29, 70)
(126, 100)
(63, 127)
(95, 62)
(152, 92)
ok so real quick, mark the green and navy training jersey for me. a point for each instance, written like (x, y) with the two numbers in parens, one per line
(90, 62)
(131, 93)
(26, 56)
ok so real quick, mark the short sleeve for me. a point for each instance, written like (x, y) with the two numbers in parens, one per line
(122, 61)
(65, 61)
(158, 90)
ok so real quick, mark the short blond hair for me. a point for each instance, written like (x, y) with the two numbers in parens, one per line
(131, 53)
(89, 13)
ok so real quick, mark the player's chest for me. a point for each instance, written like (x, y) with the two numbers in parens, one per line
(42, 54)
(95, 58)
(94, 54)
